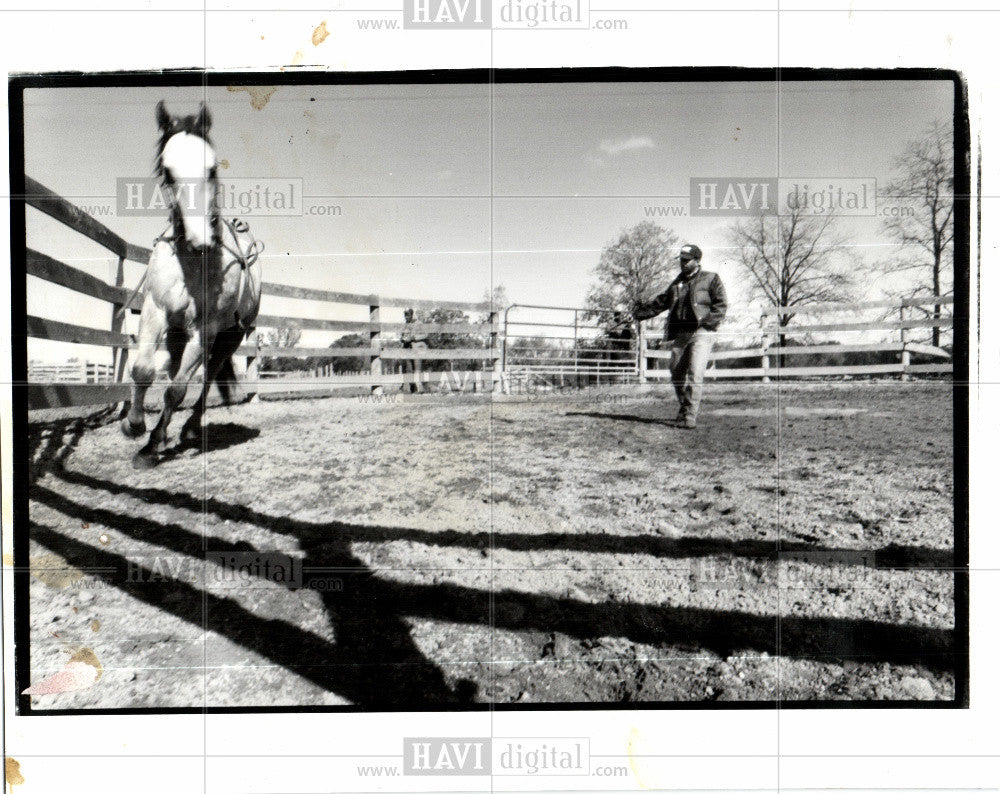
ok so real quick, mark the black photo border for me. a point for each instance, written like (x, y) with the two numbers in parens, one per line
(196, 77)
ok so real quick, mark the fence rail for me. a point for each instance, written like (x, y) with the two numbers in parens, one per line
(71, 372)
(325, 296)
(41, 198)
(889, 325)
(499, 351)
(774, 346)
(57, 393)
(830, 308)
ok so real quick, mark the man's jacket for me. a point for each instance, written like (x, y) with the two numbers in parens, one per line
(706, 303)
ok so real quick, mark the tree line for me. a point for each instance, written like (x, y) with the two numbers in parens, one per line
(798, 259)
(795, 259)
(289, 336)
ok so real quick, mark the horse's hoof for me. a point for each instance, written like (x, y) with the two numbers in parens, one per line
(144, 460)
(132, 431)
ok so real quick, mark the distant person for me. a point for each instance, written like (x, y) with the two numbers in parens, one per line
(620, 336)
(417, 342)
(696, 300)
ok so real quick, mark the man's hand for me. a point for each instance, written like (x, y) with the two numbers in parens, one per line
(644, 310)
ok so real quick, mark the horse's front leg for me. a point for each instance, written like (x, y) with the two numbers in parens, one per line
(225, 346)
(190, 360)
(191, 430)
(152, 329)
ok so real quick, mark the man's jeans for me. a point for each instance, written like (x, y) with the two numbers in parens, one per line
(690, 358)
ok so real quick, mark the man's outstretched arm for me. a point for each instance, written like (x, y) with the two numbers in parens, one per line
(659, 304)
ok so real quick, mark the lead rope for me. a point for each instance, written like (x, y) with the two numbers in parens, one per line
(125, 306)
(247, 258)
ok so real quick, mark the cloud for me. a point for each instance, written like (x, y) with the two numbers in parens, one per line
(614, 147)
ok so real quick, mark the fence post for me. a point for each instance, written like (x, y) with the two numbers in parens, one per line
(904, 337)
(576, 350)
(765, 344)
(496, 362)
(375, 340)
(643, 361)
(119, 355)
(504, 373)
(252, 374)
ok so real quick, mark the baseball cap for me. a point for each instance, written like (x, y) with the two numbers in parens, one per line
(690, 251)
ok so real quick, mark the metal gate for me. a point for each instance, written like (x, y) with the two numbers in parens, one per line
(564, 345)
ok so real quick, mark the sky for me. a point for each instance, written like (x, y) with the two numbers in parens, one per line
(445, 191)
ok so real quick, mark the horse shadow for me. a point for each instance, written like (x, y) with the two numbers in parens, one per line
(50, 443)
(215, 437)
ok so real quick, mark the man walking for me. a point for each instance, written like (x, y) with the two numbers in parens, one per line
(696, 301)
(417, 343)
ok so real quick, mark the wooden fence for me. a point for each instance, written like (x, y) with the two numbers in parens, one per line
(58, 395)
(482, 353)
(555, 343)
(380, 335)
(382, 344)
(774, 348)
(71, 372)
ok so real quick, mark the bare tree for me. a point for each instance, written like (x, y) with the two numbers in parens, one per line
(794, 259)
(284, 335)
(498, 302)
(632, 269)
(497, 298)
(923, 223)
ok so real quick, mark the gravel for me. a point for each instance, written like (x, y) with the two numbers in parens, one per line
(642, 557)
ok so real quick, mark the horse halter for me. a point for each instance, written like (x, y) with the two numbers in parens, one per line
(245, 257)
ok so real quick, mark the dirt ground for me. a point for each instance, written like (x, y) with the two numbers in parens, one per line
(563, 548)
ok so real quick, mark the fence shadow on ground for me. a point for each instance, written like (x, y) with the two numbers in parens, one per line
(374, 661)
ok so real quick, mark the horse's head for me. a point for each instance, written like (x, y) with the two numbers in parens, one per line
(185, 162)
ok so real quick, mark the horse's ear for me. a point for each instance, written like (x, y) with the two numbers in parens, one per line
(162, 117)
(204, 119)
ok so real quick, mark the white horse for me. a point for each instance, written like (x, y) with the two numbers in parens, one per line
(202, 285)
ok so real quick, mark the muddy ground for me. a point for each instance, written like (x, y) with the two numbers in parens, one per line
(568, 548)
